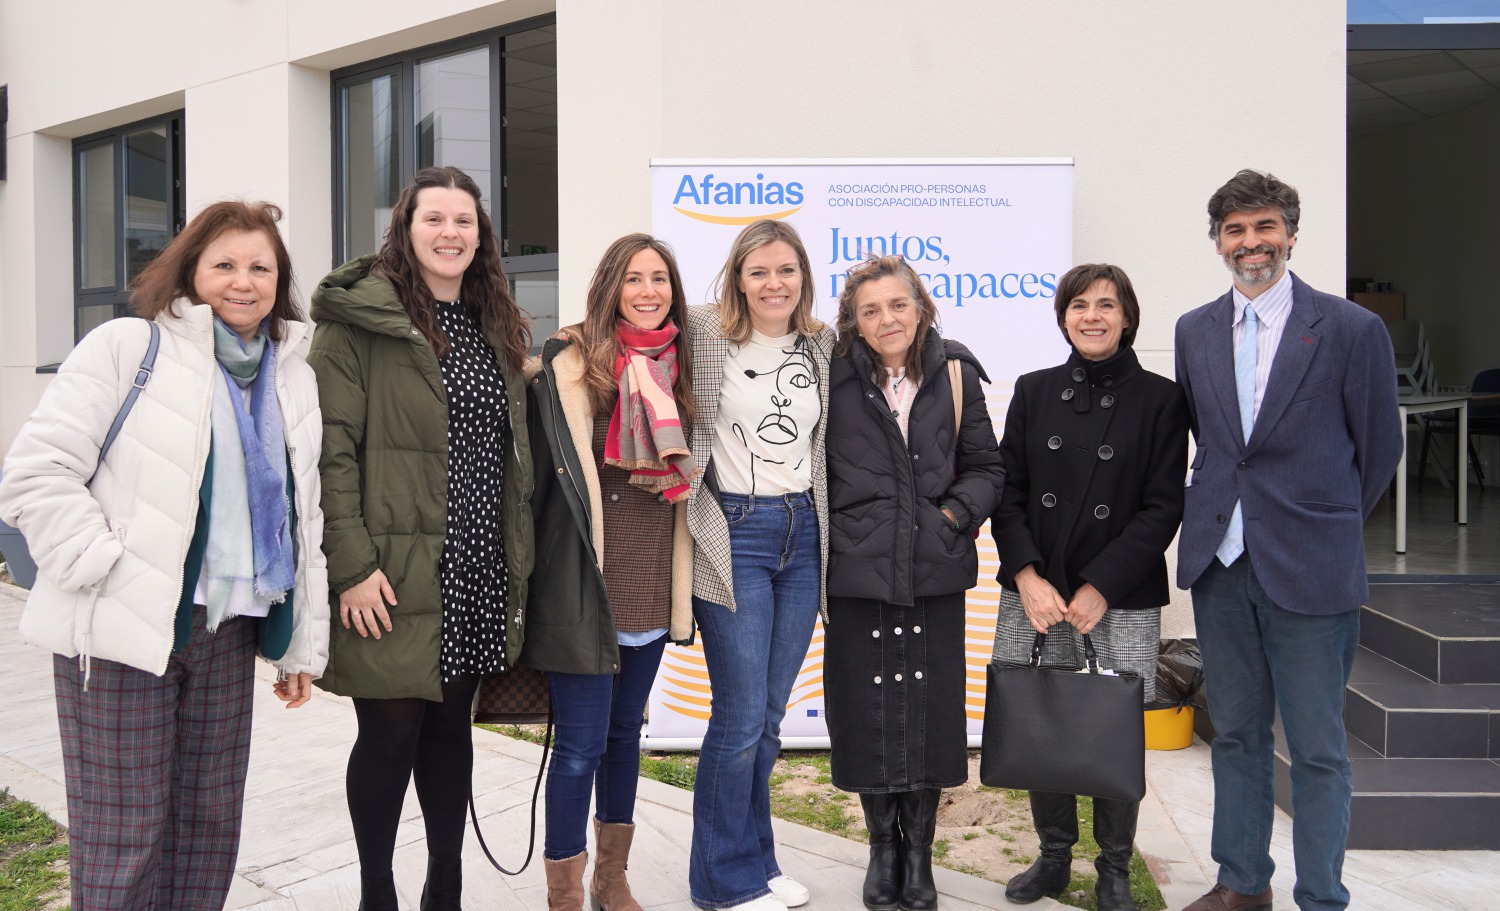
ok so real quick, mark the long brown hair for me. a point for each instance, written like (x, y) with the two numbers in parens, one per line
(170, 275)
(596, 334)
(485, 292)
(848, 320)
(734, 307)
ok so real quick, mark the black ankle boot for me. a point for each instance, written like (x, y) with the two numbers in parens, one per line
(1114, 830)
(377, 894)
(918, 815)
(444, 886)
(882, 890)
(1056, 819)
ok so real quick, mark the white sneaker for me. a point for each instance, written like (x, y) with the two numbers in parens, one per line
(789, 892)
(764, 903)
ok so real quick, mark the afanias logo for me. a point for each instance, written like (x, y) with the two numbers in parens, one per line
(771, 197)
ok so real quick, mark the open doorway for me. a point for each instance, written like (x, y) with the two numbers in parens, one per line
(1423, 243)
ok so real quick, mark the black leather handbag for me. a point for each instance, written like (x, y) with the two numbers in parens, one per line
(1063, 729)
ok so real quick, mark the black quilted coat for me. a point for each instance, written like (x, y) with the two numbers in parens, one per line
(888, 540)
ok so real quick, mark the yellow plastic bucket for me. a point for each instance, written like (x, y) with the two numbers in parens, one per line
(1169, 727)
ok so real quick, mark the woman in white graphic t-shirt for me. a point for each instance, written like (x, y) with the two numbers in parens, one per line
(759, 521)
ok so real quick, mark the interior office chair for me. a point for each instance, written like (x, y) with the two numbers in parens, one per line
(1414, 373)
(1484, 420)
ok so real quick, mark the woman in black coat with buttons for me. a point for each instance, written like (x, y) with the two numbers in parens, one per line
(913, 471)
(1095, 456)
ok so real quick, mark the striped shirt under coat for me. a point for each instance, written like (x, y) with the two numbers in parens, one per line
(713, 575)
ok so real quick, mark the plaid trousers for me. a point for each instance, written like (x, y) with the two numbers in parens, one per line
(155, 770)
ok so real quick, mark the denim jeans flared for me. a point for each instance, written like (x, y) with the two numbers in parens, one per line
(1258, 657)
(597, 720)
(754, 654)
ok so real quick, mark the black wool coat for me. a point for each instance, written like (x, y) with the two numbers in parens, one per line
(887, 539)
(1095, 459)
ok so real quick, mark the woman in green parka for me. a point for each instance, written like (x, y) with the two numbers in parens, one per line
(426, 479)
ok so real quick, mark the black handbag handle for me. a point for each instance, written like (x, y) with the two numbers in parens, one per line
(1089, 655)
(535, 792)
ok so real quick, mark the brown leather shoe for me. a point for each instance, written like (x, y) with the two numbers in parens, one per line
(1223, 898)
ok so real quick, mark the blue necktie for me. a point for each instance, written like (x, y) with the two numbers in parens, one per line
(1244, 381)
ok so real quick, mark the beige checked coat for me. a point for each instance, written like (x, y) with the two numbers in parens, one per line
(713, 575)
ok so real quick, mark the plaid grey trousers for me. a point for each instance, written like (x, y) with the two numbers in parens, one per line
(155, 770)
(1125, 640)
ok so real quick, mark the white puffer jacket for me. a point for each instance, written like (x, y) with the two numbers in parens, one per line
(110, 551)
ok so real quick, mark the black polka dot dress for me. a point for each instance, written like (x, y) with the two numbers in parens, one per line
(473, 576)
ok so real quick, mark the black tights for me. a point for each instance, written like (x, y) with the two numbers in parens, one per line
(404, 738)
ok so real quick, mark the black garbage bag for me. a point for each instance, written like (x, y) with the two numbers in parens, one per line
(1179, 671)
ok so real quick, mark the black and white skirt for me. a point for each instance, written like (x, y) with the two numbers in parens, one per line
(1125, 640)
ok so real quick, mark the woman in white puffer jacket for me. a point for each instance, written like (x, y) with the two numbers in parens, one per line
(163, 569)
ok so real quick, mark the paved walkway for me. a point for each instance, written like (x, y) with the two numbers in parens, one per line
(297, 853)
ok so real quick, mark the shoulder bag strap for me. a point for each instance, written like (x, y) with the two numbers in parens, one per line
(956, 380)
(535, 790)
(142, 377)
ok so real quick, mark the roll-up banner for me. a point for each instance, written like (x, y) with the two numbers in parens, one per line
(989, 237)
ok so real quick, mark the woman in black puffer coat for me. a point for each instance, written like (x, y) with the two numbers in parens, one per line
(913, 471)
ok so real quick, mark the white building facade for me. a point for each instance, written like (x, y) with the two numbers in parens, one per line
(123, 119)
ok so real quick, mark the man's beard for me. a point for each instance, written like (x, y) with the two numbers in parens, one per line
(1259, 274)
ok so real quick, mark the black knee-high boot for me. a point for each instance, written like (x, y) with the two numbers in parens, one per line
(1056, 819)
(918, 815)
(1114, 830)
(882, 890)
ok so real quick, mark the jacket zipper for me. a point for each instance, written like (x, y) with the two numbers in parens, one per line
(560, 421)
(911, 484)
(306, 555)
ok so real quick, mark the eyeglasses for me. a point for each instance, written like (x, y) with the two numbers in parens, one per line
(889, 261)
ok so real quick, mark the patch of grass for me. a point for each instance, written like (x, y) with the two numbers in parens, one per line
(813, 810)
(531, 733)
(677, 769)
(940, 849)
(31, 845)
(970, 836)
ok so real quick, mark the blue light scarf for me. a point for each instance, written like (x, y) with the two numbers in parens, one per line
(249, 558)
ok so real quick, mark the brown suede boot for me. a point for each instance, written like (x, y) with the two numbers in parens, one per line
(565, 882)
(609, 891)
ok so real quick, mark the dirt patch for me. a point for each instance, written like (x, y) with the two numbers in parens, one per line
(982, 831)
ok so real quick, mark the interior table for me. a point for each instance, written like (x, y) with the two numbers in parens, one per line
(1423, 404)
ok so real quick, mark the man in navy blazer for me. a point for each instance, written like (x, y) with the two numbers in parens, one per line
(1293, 400)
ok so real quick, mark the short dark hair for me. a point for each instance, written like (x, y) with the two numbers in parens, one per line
(1250, 190)
(1078, 279)
(171, 274)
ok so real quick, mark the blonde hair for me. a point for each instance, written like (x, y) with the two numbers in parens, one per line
(734, 307)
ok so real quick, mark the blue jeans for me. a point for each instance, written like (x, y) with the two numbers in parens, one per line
(1257, 657)
(597, 722)
(753, 655)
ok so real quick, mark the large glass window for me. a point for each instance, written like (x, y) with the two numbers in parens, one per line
(128, 199)
(1423, 12)
(487, 104)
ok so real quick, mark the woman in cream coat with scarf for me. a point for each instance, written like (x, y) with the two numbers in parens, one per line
(164, 568)
(614, 571)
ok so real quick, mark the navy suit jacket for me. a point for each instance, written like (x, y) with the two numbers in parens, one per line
(1324, 447)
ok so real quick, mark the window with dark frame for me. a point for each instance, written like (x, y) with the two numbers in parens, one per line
(127, 204)
(486, 103)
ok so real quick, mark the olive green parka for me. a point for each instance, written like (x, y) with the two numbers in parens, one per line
(385, 484)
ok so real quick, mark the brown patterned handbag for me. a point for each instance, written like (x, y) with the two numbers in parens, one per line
(517, 695)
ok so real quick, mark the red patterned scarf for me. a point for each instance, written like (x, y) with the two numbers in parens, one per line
(652, 447)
